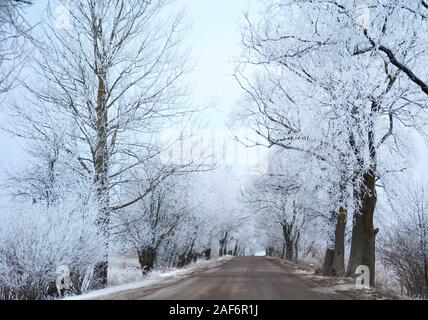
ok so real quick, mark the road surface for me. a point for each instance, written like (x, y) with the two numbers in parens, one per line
(241, 278)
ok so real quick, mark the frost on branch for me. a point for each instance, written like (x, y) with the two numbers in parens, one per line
(37, 238)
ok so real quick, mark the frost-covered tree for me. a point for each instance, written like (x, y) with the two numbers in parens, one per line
(395, 32)
(113, 77)
(37, 238)
(310, 88)
(13, 30)
(149, 227)
(183, 219)
(404, 247)
(49, 165)
(284, 204)
(216, 196)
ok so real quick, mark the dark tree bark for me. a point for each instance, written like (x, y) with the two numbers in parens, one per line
(363, 248)
(327, 268)
(236, 250)
(270, 251)
(207, 254)
(339, 246)
(363, 232)
(146, 259)
(334, 260)
(296, 246)
(101, 167)
(283, 251)
(289, 245)
(223, 245)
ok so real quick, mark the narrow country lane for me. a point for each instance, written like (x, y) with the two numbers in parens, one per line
(241, 278)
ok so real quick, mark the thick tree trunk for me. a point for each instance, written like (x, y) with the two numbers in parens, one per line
(363, 232)
(283, 251)
(286, 230)
(327, 268)
(236, 250)
(220, 250)
(339, 245)
(207, 254)
(334, 261)
(289, 251)
(101, 159)
(222, 245)
(146, 259)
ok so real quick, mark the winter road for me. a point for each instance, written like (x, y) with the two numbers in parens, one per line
(241, 278)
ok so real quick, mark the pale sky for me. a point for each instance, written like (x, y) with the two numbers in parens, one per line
(214, 39)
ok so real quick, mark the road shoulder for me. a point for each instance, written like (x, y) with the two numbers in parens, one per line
(341, 287)
(145, 287)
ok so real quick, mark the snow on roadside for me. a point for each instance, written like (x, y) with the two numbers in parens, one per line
(338, 285)
(155, 277)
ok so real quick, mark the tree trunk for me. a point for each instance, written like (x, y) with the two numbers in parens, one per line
(188, 255)
(101, 273)
(101, 159)
(289, 251)
(146, 259)
(207, 254)
(235, 251)
(286, 230)
(339, 245)
(220, 250)
(222, 245)
(296, 247)
(327, 268)
(334, 261)
(283, 251)
(363, 232)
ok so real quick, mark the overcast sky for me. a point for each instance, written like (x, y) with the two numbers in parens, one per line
(214, 37)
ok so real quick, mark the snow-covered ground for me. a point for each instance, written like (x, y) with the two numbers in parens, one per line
(155, 277)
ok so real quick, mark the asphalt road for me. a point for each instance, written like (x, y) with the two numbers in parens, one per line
(241, 278)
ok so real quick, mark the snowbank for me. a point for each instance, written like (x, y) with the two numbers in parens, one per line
(154, 278)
